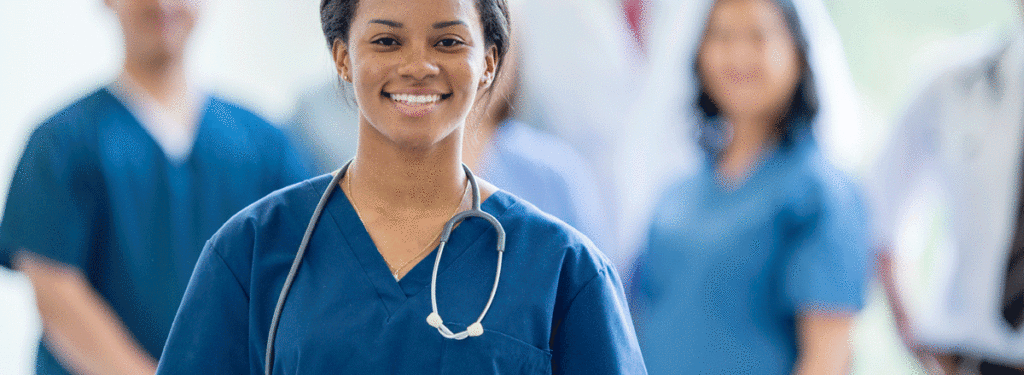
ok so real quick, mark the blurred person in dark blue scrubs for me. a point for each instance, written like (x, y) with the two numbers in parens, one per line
(115, 195)
(757, 262)
(360, 300)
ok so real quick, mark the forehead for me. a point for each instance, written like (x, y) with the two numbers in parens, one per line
(747, 13)
(417, 13)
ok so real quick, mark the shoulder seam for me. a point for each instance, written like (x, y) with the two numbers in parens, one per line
(213, 249)
(585, 286)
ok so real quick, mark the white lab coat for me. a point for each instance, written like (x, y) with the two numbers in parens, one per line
(581, 70)
(963, 137)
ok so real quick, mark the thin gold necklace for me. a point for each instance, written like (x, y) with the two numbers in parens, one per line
(396, 270)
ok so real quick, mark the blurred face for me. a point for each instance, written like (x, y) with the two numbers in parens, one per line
(155, 29)
(748, 62)
(417, 67)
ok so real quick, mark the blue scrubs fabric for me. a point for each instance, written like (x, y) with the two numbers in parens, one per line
(558, 309)
(727, 272)
(547, 172)
(93, 190)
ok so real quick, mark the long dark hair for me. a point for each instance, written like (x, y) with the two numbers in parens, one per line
(803, 107)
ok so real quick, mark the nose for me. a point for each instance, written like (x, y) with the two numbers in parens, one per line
(168, 5)
(745, 55)
(418, 64)
(175, 6)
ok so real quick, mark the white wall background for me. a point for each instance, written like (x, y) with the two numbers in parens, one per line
(258, 53)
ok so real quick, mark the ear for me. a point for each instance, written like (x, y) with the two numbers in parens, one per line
(341, 60)
(490, 67)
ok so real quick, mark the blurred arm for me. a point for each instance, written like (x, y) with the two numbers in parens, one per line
(824, 342)
(79, 326)
(886, 270)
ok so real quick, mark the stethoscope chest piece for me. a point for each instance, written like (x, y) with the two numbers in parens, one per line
(434, 319)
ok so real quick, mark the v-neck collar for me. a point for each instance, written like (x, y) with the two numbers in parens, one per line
(394, 293)
(203, 111)
(769, 161)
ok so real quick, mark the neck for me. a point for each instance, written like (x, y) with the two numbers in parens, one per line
(478, 139)
(750, 137)
(399, 179)
(162, 78)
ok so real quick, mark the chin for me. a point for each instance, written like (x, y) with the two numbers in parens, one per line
(418, 135)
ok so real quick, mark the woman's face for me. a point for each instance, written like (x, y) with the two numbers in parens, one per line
(748, 62)
(417, 67)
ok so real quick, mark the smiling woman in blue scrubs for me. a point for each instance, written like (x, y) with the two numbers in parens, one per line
(362, 294)
(757, 262)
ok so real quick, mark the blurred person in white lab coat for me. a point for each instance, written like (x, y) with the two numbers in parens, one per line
(582, 69)
(962, 136)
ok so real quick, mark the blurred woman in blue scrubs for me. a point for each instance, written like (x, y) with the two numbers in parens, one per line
(757, 262)
(360, 300)
(116, 194)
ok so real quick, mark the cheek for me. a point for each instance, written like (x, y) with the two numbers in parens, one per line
(368, 75)
(715, 68)
(782, 67)
(707, 64)
(465, 74)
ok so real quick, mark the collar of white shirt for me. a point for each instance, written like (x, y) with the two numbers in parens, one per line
(173, 128)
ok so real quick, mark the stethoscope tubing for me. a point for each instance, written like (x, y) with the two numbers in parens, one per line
(434, 319)
(272, 334)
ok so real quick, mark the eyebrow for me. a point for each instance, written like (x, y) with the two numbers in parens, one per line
(397, 25)
(441, 25)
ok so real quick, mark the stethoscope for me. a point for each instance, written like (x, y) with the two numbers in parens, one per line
(434, 319)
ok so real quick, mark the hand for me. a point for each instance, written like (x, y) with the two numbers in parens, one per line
(933, 363)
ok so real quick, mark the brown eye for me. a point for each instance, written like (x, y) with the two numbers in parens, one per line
(387, 42)
(449, 42)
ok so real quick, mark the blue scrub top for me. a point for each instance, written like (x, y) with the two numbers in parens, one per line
(558, 309)
(93, 190)
(547, 172)
(726, 272)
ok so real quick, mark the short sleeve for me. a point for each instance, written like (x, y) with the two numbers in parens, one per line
(53, 201)
(596, 336)
(210, 332)
(828, 265)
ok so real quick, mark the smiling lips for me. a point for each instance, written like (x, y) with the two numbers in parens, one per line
(416, 105)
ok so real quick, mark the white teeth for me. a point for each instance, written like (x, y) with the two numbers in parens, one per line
(415, 99)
